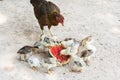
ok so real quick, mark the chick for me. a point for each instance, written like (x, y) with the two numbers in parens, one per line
(77, 67)
(87, 43)
(85, 54)
(71, 47)
(74, 48)
(40, 46)
(49, 64)
(44, 43)
(34, 63)
(45, 40)
(48, 41)
(66, 51)
(26, 51)
(76, 64)
(68, 43)
(87, 49)
(90, 48)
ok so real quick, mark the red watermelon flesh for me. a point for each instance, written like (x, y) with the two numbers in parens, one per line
(55, 52)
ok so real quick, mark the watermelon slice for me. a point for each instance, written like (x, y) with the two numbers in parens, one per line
(55, 52)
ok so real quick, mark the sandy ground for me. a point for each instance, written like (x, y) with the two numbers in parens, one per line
(100, 18)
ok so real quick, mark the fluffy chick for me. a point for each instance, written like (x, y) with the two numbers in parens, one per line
(34, 63)
(76, 64)
(26, 51)
(71, 47)
(49, 64)
(48, 41)
(86, 43)
(68, 43)
(87, 49)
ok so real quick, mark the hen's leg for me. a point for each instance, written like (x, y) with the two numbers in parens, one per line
(42, 29)
(42, 32)
(51, 33)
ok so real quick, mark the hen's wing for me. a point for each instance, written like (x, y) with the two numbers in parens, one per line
(41, 14)
(41, 11)
(48, 8)
(51, 8)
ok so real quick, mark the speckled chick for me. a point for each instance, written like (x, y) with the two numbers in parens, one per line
(87, 49)
(26, 51)
(76, 64)
(34, 63)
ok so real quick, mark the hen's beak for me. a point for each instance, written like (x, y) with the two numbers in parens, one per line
(62, 23)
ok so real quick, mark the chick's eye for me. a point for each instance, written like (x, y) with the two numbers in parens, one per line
(31, 61)
(46, 39)
(77, 63)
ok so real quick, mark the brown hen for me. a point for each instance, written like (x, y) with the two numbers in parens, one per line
(47, 14)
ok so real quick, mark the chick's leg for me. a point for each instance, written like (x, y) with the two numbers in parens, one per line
(20, 57)
(73, 70)
(49, 71)
(86, 61)
(34, 68)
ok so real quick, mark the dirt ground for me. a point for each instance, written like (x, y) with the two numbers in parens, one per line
(99, 18)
